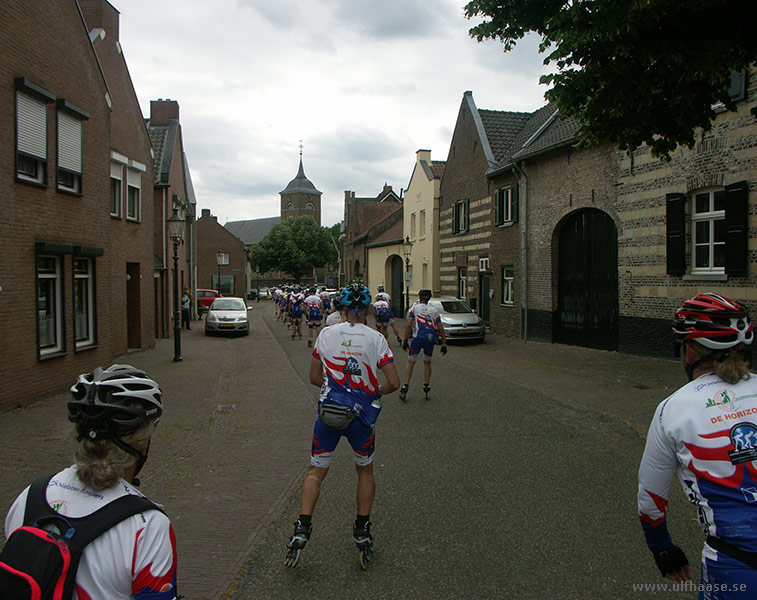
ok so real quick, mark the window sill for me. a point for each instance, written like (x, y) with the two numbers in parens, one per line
(52, 354)
(705, 277)
(113, 216)
(507, 304)
(132, 220)
(32, 182)
(84, 348)
(69, 192)
(506, 224)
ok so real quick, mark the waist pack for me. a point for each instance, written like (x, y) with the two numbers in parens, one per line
(744, 556)
(314, 313)
(41, 565)
(338, 417)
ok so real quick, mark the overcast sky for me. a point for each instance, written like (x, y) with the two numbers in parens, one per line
(363, 84)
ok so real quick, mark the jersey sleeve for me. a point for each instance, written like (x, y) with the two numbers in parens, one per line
(656, 474)
(154, 569)
(385, 353)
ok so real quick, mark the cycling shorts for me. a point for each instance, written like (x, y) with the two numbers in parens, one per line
(726, 579)
(325, 439)
(416, 345)
(314, 322)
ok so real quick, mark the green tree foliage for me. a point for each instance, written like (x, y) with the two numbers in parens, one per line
(294, 246)
(631, 71)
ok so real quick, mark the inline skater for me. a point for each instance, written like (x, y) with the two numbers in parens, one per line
(336, 315)
(706, 433)
(314, 310)
(325, 301)
(382, 312)
(382, 295)
(426, 326)
(296, 310)
(346, 360)
(115, 411)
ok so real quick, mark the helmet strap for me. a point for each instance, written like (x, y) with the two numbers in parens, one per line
(141, 458)
(692, 367)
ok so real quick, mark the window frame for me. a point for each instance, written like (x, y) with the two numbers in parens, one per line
(507, 289)
(462, 283)
(422, 224)
(711, 218)
(31, 137)
(412, 226)
(89, 276)
(133, 188)
(116, 175)
(58, 327)
(461, 217)
(70, 143)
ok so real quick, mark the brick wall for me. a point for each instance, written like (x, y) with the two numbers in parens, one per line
(212, 236)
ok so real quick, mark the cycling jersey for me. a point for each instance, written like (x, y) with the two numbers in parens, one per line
(134, 559)
(314, 308)
(706, 432)
(383, 296)
(382, 311)
(352, 354)
(334, 318)
(426, 322)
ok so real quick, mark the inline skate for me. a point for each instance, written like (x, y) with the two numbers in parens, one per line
(365, 543)
(403, 392)
(426, 389)
(296, 543)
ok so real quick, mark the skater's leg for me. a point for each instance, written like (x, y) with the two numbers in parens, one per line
(426, 372)
(366, 488)
(311, 489)
(409, 371)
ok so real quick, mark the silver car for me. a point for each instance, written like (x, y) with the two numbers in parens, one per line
(460, 322)
(227, 314)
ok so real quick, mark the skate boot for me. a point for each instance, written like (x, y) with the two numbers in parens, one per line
(293, 335)
(403, 392)
(296, 543)
(300, 336)
(310, 342)
(399, 341)
(426, 388)
(365, 543)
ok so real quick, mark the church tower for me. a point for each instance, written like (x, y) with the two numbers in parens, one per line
(300, 197)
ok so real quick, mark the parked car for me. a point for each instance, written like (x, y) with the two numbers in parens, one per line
(460, 322)
(227, 315)
(205, 299)
(264, 293)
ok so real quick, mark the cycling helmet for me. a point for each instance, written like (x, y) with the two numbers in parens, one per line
(113, 402)
(336, 303)
(380, 288)
(714, 321)
(355, 297)
(424, 294)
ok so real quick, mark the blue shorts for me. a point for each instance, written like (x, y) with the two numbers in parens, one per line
(416, 345)
(325, 439)
(727, 579)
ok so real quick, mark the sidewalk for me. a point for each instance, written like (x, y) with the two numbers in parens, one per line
(232, 446)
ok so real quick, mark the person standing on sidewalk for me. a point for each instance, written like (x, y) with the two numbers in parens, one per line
(346, 360)
(706, 433)
(115, 411)
(186, 308)
(426, 326)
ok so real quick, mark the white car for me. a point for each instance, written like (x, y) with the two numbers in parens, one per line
(227, 315)
(460, 322)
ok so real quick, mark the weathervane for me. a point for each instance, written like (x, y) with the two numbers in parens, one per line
(300, 148)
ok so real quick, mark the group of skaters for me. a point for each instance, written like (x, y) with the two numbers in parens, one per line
(705, 433)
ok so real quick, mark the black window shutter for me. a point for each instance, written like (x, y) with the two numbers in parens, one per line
(467, 215)
(676, 233)
(497, 200)
(737, 228)
(514, 203)
(454, 216)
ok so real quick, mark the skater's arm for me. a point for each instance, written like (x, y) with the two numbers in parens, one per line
(392, 379)
(316, 372)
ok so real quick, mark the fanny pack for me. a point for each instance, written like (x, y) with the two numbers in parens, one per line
(338, 417)
(744, 556)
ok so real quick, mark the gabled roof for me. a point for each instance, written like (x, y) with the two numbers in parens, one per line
(370, 212)
(253, 230)
(300, 184)
(191, 198)
(163, 138)
(501, 128)
(388, 231)
(437, 167)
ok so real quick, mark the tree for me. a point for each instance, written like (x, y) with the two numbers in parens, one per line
(293, 246)
(631, 71)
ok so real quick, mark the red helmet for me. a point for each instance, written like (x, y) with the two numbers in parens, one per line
(714, 321)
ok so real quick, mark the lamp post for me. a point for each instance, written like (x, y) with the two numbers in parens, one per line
(176, 233)
(407, 247)
(219, 260)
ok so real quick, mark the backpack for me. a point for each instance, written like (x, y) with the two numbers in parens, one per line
(37, 564)
(314, 312)
(297, 309)
(382, 313)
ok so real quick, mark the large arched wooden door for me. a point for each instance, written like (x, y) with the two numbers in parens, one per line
(588, 281)
(397, 291)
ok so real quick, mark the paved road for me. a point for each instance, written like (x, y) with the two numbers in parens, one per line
(517, 480)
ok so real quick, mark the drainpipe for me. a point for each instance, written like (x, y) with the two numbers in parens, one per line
(523, 208)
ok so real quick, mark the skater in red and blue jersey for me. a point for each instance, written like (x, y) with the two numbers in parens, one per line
(706, 433)
(346, 362)
(426, 326)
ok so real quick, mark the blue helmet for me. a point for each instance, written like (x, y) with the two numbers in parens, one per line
(355, 297)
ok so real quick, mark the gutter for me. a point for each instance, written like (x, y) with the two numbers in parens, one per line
(523, 178)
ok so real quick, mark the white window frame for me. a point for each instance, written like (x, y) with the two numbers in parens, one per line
(84, 313)
(508, 286)
(504, 208)
(461, 216)
(412, 226)
(69, 173)
(422, 232)
(704, 225)
(51, 321)
(462, 283)
(133, 194)
(116, 184)
(224, 259)
(31, 138)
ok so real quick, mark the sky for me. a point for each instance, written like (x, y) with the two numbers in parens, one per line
(361, 84)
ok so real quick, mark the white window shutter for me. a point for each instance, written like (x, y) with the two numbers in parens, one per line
(69, 142)
(32, 126)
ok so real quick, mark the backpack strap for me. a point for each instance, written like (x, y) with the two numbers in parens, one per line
(36, 501)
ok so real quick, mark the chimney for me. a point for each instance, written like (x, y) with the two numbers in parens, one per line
(162, 112)
(423, 156)
(205, 213)
(99, 14)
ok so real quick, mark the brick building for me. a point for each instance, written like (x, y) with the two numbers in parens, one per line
(300, 197)
(213, 238)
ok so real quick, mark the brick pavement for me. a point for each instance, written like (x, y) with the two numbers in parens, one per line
(232, 446)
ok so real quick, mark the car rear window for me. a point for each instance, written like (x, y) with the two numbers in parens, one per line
(228, 304)
(455, 307)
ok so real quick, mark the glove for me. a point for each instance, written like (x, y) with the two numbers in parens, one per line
(443, 350)
(405, 345)
(670, 560)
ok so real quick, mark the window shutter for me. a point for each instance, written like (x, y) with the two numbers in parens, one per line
(497, 201)
(737, 86)
(31, 115)
(676, 233)
(514, 205)
(737, 228)
(69, 142)
(467, 215)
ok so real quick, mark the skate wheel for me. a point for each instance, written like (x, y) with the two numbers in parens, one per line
(365, 557)
(292, 557)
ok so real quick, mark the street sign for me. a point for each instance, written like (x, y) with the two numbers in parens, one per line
(408, 277)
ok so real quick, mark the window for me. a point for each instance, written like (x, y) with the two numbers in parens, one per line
(69, 153)
(424, 274)
(508, 278)
(224, 258)
(31, 139)
(462, 283)
(310, 207)
(289, 206)
(133, 194)
(116, 190)
(412, 226)
(49, 305)
(708, 229)
(84, 302)
(423, 224)
(225, 285)
(460, 215)
(506, 205)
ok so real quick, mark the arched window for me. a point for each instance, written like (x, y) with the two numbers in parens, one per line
(289, 206)
(309, 207)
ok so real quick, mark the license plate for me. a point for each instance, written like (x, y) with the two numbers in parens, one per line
(467, 331)
(226, 325)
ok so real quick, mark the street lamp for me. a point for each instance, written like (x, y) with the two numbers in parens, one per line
(407, 247)
(176, 233)
(219, 260)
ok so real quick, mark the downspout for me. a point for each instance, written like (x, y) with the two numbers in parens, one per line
(166, 269)
(523, 208)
